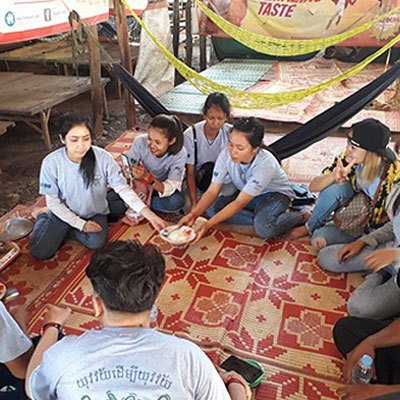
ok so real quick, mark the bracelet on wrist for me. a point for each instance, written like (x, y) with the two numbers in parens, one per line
(232, 379)
(191, 212)
(50, 325)
(150, 179)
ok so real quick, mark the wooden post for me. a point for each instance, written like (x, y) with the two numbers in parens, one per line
(126, 59)
(203, 52)
(175, 28)
(175, 37)
(95, 81)
(189, 43)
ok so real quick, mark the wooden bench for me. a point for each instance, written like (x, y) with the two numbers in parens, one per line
(28, 97)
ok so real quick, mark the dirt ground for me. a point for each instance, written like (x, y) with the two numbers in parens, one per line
(22, 149)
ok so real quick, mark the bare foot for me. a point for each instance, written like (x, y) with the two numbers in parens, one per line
(38, 211)
(318, 244)
(297, 232)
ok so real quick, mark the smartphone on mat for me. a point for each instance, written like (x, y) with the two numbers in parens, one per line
(125, 163)
(249, 372)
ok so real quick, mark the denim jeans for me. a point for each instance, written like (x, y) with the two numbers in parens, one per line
(329, 200)
(170, 204)
(50, 231)
(267, 212)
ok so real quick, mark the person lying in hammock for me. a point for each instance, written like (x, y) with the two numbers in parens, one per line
(262, 190)
(367, 165)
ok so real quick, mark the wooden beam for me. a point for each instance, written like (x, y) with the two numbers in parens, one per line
(189, 39)
(203, 52)
(175, 28)
(126, 60)
(95, 81)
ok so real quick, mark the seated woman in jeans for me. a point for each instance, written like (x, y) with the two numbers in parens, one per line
(379, 296)
(159, 158)
(75, 180)
(263, 192)
(360, 168)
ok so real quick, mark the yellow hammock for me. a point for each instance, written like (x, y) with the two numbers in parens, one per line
(284, 47)
(247, 100)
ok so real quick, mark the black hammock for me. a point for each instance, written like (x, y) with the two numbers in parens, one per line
(311, 132)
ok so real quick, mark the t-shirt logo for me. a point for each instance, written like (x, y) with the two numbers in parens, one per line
(216, 173)
(45, 185)
(96, 180)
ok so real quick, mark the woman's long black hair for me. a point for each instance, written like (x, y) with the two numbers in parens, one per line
(254, 132)
(88, 163)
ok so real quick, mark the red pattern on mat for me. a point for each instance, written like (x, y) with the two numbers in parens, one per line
(231, 294)
(292, 76)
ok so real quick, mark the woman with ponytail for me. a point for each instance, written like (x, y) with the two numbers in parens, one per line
(158, 157)
(75, 181)
(263, 192)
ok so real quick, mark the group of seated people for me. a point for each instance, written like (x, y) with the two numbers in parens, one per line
(226, 172)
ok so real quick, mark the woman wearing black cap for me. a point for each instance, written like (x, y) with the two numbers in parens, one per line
(366, 162)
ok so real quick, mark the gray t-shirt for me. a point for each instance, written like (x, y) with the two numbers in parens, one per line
(13, 341)
(206, 151)
(169, 166)
(61, 177)
(126, 363)
(262, 175)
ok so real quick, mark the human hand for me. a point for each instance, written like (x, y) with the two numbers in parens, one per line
(380, 259)
(58, 315)
(157, 223)
(365, 347)
(201, 230)
(188, 220)
(363, 392)
(242, 391)
(140, 172)
(340, 172)
(350, 250)
(91, 227)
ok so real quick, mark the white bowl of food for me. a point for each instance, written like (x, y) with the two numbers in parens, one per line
(178, 235)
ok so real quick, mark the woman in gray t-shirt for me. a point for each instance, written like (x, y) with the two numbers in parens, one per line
(75, 180)
(263, 192)
(204, 142)
(158, 157)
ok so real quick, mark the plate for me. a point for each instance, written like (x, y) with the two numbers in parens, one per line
(183, 235)
(2, 290)
(15, 228)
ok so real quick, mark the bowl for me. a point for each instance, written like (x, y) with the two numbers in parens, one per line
(15, 228)
(178, 236)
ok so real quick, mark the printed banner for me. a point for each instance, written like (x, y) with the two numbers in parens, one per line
(306, 19)
(22, 20)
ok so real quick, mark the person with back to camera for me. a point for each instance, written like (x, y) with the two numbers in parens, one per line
(75, 181)
(367, 165)
(126, 357)
(263, 191)
(158, 157)
(204, 141)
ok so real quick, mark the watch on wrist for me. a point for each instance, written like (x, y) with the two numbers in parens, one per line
(51, 324)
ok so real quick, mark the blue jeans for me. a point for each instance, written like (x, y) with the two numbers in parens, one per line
(50, 231)
(170, 204)
(267, 213)
(329, 200)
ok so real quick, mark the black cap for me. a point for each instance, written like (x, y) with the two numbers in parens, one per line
(372, 135)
